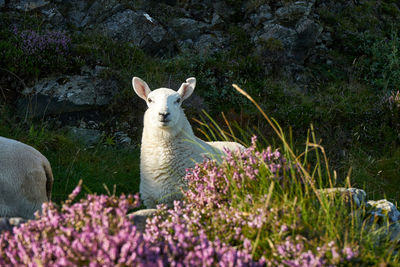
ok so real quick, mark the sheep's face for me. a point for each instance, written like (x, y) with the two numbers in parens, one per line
(164, 105)
(164, 108)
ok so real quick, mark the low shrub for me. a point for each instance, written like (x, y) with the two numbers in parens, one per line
(238, 213)
(31, 54)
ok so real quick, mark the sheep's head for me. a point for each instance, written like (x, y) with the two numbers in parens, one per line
(164, 104)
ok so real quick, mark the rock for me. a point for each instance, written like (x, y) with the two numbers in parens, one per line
(394, 230)
(278, 32)
(100, 10)
(223, 10)
(349, 195)
(75, 12)
(381, 220)
(122, 139)
(4, 224)
(65, 94)
(383, 209)
(2, 3)
(27, 5)
(188, 28)
(15, 221)
(139, 218)
(138, 28)
(216, 20)
(87, 137)
(209, 43)
(56, 19)
(291, 13)
(308, 32)
(263, 14)
(7, 224)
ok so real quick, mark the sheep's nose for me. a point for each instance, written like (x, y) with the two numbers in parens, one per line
(164, 115)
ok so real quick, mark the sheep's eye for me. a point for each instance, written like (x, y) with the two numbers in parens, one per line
(149, 100)
(178, 100)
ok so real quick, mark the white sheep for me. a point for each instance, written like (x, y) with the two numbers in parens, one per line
(26, 179)
(169, 146)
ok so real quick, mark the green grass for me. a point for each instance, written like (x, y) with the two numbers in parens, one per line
(99, 167)
(292, 201)
(345, 101)
(378, 174)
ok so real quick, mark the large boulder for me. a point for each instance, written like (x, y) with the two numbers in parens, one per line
(350, 196)
(383, 220)
(138, 28)
(307, 34)
(383, 209)
(262, 15)
(65, 94)
(27, 5)
(187, 28)
(291, 13)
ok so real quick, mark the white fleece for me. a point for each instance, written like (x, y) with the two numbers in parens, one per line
(26, 179)
(169, 146)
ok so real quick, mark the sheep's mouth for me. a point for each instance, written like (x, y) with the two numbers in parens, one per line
(164, 121)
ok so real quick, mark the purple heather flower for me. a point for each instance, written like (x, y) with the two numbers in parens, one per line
(205, 229)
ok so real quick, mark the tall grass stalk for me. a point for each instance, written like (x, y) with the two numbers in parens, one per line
(305, 173)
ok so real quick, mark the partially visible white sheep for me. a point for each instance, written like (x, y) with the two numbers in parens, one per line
(168, 143)
(26, 179)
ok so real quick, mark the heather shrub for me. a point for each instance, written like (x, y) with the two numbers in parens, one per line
(252, 199)
(230, 216)
(32, 42)
(32, 54)
(97, 231)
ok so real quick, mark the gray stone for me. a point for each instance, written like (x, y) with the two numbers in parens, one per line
(188, 28)
(87, 137)
(223, 10)
(53, 15)
(55, 18)
(127, 26)
(286, 35)
(209, 43)
(122, 139)
(349, 195)
(27, 5)
(263, 14)
(308, 32)
(138, 28)
(383, 209)
(7, 224)
(100, 10)
(293, 12)
(67, 94)
(2, 3)
(15, 221)
(83, 14)
(139, 218)
(4, 224)
(394, 230)
(382, 231)
(216, 20)
(76, 12)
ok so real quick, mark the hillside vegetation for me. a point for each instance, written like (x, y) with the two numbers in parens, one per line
(326, 71)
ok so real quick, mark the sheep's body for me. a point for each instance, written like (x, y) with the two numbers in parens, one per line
(26, 179)
(221, 146)
(169, 147)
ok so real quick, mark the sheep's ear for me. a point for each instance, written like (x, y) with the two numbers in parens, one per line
(187, 88)
(141, 88)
